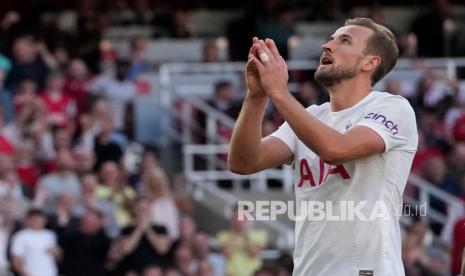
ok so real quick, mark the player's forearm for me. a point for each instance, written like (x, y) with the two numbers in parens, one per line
(244, 148)
(325, 141)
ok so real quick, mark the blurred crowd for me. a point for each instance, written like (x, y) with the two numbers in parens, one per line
(78, 194)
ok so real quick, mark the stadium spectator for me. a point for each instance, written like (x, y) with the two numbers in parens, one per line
(11, 187)
(242, 246)
(308, 94)
(205, 268)
(417, 260)
(60, 108)
(64, 180)
(76, 85)
(184, 261)
(208, 260)
(64, 215)
(26, 165)
(89, 200)
(86, 250)
(456, 163)
(85, 160)
(114, 189)
(27, 108)
(34, 249)
(224, 98)
(179, 27)
(27, 63)
(435, 171)
(163, 210)
(116, 90)
(105, 147)
(142, 244)
(85, 135)
(137, 57)
(187, 231)
(210, 52)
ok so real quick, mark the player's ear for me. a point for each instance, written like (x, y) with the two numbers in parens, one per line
(370, 63)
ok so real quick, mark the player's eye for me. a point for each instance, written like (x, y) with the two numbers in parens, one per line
(346, 41)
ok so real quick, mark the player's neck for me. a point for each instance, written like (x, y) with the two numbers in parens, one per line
(347, 93)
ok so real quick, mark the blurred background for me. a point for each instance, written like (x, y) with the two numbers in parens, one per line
(115, 118)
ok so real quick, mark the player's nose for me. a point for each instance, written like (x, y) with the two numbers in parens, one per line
(327, 47)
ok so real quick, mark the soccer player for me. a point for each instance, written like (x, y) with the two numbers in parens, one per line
(355, 150)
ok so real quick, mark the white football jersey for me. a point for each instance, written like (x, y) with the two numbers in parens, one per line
(351, 222)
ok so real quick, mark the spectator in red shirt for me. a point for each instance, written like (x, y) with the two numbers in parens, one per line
(60, 108)
(26, 166)
(76, 83)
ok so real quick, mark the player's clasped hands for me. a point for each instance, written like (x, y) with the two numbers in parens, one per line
(266, 71)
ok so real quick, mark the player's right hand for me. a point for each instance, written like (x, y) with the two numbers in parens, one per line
(252, 77)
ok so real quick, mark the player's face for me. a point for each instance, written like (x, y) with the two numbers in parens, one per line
(342, 55)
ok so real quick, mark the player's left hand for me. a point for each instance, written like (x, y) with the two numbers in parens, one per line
(272, 68)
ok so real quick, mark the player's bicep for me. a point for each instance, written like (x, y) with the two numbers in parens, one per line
(274, 152)
(359, 142)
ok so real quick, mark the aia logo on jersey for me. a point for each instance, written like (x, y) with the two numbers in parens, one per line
(382, 119)
(306, 174)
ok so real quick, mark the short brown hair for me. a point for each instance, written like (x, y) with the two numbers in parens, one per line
(381, 43)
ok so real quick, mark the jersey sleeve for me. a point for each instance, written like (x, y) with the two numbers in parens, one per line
(393, 119)
(287, 135)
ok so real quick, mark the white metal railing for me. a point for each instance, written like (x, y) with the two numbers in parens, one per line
(202, 183)
(258, 179)
(213, 117)
(455, 207)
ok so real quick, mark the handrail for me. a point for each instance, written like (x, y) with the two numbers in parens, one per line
(200, 180)
(207, 109)
(430, 188)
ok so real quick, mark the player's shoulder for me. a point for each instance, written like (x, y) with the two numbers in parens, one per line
(388, 99)
(317, 108)
(386, 96)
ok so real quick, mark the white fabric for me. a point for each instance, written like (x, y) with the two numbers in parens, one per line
(164, 212)
(31, 246)
(341, 247)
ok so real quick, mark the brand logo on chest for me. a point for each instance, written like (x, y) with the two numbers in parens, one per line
(307, 176)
